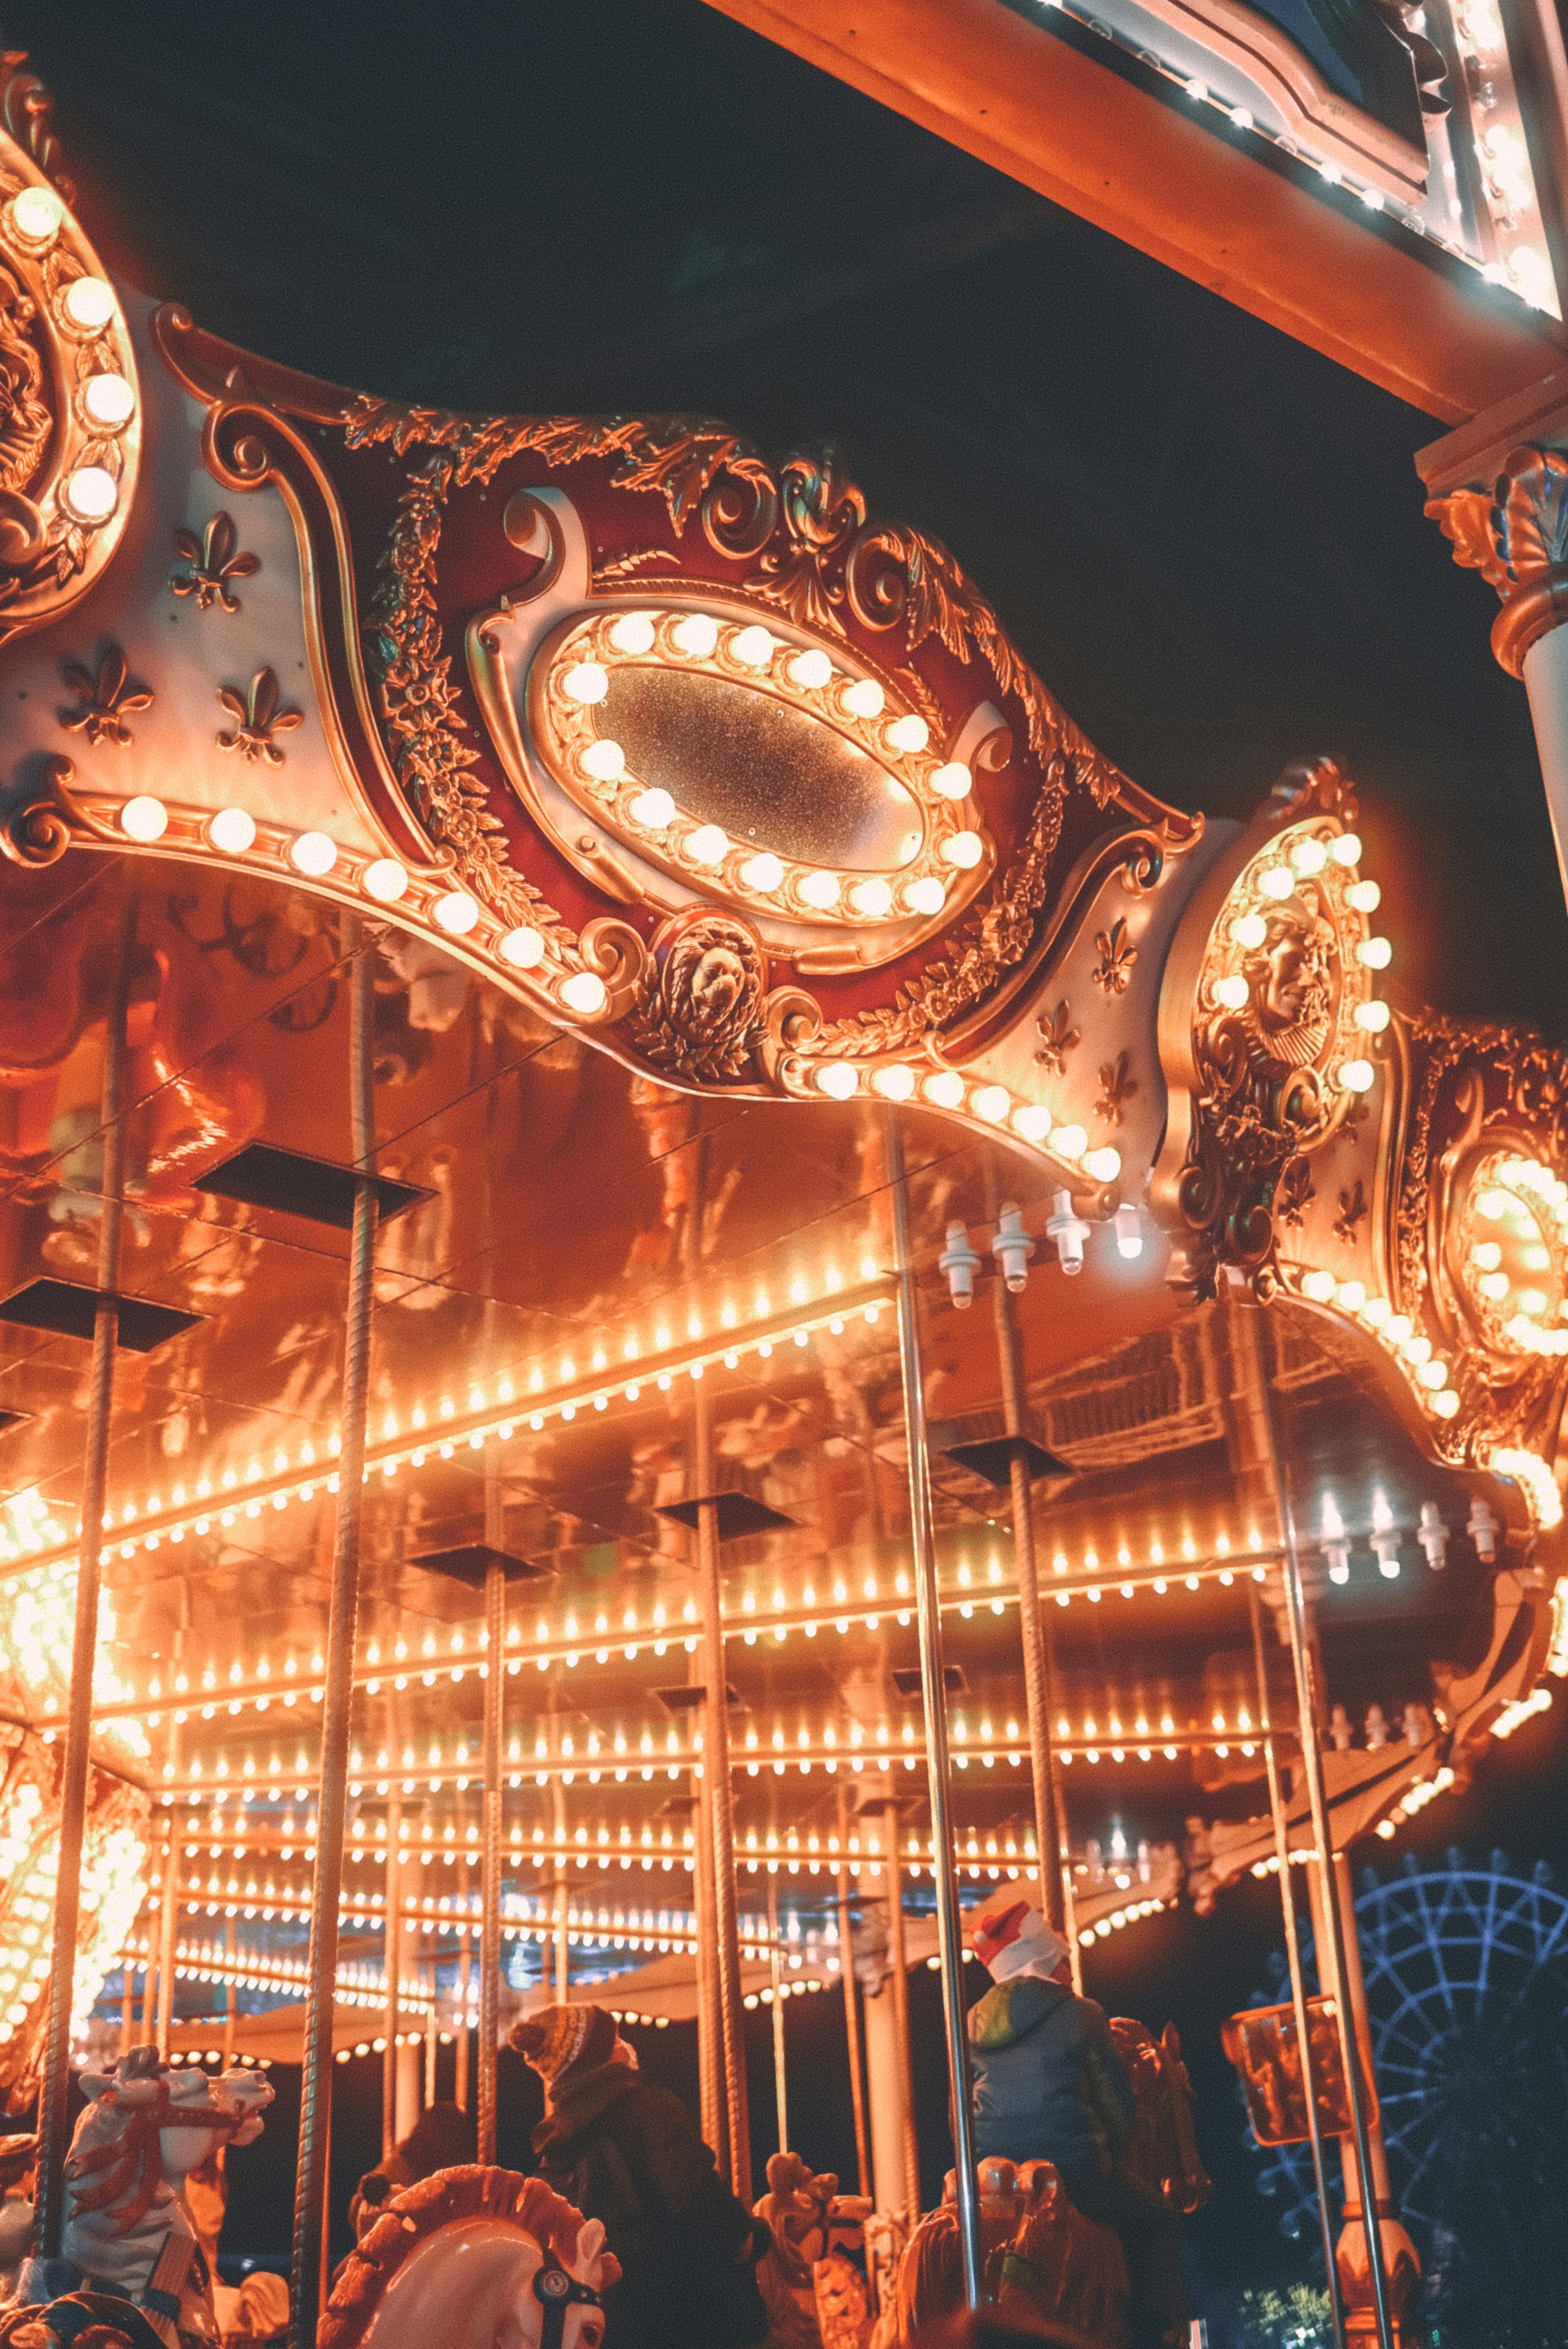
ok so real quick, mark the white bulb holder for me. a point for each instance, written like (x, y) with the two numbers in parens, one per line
(1012, 1247)
(960, 1262)
(1433, 1536)
(1069, 1232)
(1483, 1528)
(1128, 1225)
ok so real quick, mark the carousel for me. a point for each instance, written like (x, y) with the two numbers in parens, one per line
(682, 1292)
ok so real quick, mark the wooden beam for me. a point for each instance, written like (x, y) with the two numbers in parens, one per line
(1018, 96)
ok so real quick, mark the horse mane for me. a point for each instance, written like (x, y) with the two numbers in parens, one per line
(412, 2216)
(929, 2280)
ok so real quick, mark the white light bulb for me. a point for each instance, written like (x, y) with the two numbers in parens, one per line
(925, 895)
(233, 829)
(812, 670)
(313, 853)
(697, 635)
(1346, 849)
(1069, 1142)
(1032, 1120)
(1377, 954)
(456, 912)
(762, 872)
(108, 400)
(633, 632)
(1357, 1076)
(586, 682)
(584, 992)
(1309, 855)
(839, 1080)
(1232, 992)
(864, 697)
(954, 780)
(604, 760)
(144, 818)
(872, 898)
(945, 1088)
(1373, 1016)
(36, 214)
(1105, 1165)
(88, 303)
(522, 947)
(963, 850)
(1363, 896)
(90, 493)
(819, 890)
(1249, 931)
(1277, 881)
(708, 844)
(909, 734)
(895, 1083)
(654, 809)
(753, 648)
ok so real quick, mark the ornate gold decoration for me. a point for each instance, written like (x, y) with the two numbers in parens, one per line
(104, 695)
(1353, 1211)
(1118, 1086)
(1262, 989)
(1514, 531)
(821, 512)
(257, 719)
(699, 1005)
(39, 831)
(1058, 1038)
(1113, 971)
(214, 560)
(27, 116)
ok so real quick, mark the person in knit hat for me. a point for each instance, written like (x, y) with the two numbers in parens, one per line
(628, 2153)
(1050, 2085)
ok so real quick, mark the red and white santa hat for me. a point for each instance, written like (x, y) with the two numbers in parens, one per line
(1010, 1937)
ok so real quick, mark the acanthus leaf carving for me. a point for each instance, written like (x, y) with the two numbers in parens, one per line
(699, 1003)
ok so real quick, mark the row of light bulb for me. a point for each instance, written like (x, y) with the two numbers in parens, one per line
(1426, 1371)
(990, 1104)
(83, 307)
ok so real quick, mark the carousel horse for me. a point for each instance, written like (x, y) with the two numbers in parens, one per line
(818, 2240)
(1163, 2154)
(1042, 2260)
(473, 2259)
(128, 2233)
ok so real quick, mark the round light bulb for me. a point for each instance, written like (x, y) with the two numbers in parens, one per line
(1346, 849)
(708, 844)
(523, 947)
(36, 214)
(864, 697)
(108, 400)
(1357, 1076)
(819, 890)
(839, 1080)
(1249, 932)
(895, 1083)
(1318, 1286)
(586, 682)
(1375, 953)
(605, 762)
(943, 1089)
(925, 895)
(584, 992)
(1277, 881)
(1032, 1121)
(1069, 1142)
(1232, 991)
(963, 850)
(753, 648)
(1309, 855)
(90, 493)
(313, 853)
(812, 670)
(992, 1102)
(1365, 896)
(1105, 1165)
(762, 872)
(456, 912)
(633, 632)
(654, 809)
(1446, 1404)
(233, 829)
(872, 898)
(88, 303)
(908, 734)
(697, 635)
(954, 780)
(1373, 1016)
(144, 818)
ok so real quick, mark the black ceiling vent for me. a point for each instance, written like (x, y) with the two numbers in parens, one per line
(68, 1310)
(690, 1696)
(261, 1176)
(991, 1457)
(906, 1680)
(738, 1513)
(470, 1563)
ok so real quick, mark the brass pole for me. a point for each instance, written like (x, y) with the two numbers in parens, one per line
(1293, 1953)
(851, 2002)
(721, 1813)
(1039, 1673)
(1309, 1698)
(562, 1904)
(898, 1961)
(781, 2077)
(312, 2176)
(392, 1943)
(490, 1834)
(460, 2076)
(933, 1692)
(230, 1995)
(431, 2037)
(126, 2007)
(168, 1924)
(54, 2100)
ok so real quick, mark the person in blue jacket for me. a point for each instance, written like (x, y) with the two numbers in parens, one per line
(1049, 2085)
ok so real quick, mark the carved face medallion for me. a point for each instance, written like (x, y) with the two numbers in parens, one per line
(1291, 982)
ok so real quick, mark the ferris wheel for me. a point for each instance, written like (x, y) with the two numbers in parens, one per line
(1467, 1988)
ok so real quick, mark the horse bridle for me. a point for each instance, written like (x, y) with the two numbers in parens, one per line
(556, 2291)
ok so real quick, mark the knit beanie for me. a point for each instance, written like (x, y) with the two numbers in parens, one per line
(559, 2040)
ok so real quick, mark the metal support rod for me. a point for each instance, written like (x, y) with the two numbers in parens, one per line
(1293, 1954)
(716, 1778)
(1309, 1709)
(430, 2036)
(898, 1963)
(1038, 1660)
(934, 1693)
(781, 2075)
(231, 1995)
(392, 1944)
(53, 2101)
(311, 2177)
(490, 1832)
(460, 2036)
(852, 2000)
(168, 1926)
(562, 1909)
(127, 2006)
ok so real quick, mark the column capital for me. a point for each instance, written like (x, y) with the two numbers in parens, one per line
(1498, 489)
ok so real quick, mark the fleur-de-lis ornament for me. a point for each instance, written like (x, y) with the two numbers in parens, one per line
(1352, 1211)
(106, 694)
(257, 719)
(1117, 1088)
(1113, 971)
(1058, 1036)
(213, 561)
(1296, 1192)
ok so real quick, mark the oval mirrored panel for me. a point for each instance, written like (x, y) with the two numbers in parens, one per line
(771, 775)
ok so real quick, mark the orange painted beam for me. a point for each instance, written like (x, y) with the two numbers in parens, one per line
(1012, 93)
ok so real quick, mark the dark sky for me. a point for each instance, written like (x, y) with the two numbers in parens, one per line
(1208, 540)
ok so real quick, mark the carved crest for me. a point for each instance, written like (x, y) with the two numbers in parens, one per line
(700, 1009)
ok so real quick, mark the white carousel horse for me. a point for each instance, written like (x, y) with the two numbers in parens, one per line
(127, 2231)
(473, 2259)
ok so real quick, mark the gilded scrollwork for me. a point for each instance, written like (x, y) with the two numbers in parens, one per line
(1514, 531)
(699, 1005)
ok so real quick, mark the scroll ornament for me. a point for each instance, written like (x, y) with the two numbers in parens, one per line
(1515, 534)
